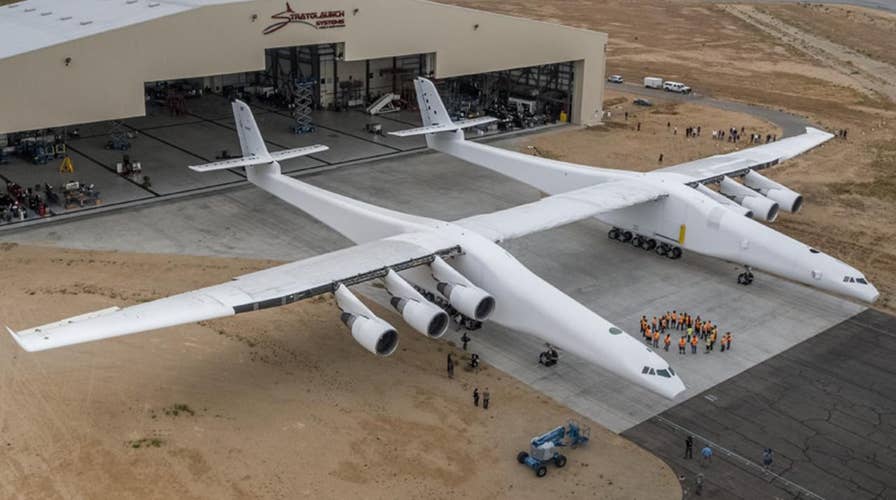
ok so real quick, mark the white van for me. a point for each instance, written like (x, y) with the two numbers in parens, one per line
(676, 87)
(653, 82)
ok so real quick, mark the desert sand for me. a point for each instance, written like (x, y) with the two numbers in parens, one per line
(280, 403)
(831, 64)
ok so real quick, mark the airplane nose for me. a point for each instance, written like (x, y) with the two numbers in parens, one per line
(873, 294)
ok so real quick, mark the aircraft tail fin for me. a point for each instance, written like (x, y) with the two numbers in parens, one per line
(435, 115)
(255, 152)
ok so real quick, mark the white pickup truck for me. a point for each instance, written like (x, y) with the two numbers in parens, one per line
(677, 87)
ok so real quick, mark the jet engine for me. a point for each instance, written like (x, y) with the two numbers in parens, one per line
(369, 330)
(463, 295)
(787, 199)
(763, 208)
(419, 313)
(730, 205)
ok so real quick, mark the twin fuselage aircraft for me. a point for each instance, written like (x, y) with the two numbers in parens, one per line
(428, 265)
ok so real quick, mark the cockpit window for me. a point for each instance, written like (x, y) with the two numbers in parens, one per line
(850, 279)
(652, 372)
(671, 371)
(663, 373)
(645, 370)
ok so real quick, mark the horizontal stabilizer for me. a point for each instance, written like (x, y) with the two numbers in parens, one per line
(248, 161)
(447, 127)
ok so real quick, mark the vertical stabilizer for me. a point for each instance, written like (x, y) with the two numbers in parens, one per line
(432, 111)
(250, 137)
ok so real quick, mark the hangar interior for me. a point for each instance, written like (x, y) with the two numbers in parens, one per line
(341, 94)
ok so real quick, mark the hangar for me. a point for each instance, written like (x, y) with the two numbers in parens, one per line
(82, 61)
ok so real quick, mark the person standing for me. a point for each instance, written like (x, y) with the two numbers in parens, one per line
(450, 366)
(728, 341)
(667, 342)
(689, 447)
(476, 397)
(681, 345)
(656, 338)
(486, 397)
(706, 453)
(694, 344)
(767, 458)
(698, 487)
(465, 339)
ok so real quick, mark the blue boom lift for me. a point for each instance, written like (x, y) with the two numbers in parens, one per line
(545, 448)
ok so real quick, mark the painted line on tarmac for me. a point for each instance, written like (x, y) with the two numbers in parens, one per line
(743, 460)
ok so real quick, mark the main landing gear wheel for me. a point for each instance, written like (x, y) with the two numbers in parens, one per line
(675, 253)
(637, 241)
(663, 249)
(648, 244)
(626, 236)
(614, 234)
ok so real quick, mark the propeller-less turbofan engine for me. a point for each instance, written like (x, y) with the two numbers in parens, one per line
(373, 333)
(421, 314)
(463, 295)
(787, 198)
(763, 208)
(742, 210)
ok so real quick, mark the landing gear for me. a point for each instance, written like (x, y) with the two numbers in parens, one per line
(746, 277)
(645, 243)
(549, 357)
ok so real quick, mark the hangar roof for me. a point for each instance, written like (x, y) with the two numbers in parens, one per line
(35, 24)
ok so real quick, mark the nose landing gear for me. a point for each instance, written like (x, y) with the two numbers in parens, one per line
(746, 277)
(645, 243)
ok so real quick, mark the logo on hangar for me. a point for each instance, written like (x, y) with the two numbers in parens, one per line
(323, 19)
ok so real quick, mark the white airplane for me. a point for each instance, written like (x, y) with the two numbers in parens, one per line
(457, 264)
(687, 214)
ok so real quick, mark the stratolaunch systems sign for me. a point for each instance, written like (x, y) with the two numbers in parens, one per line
(318, 19)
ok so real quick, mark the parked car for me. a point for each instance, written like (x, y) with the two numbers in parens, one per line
(642, 102)
(677, 87)
(653, 82)
(615, 79)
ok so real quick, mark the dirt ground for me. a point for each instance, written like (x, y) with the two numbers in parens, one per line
(621, 145)
(280, 403)
(829, 63)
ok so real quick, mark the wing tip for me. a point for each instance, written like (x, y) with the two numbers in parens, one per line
(18, 338)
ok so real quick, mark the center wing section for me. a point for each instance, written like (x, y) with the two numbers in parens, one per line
(713, 168)
(561, 209)
(272, 287)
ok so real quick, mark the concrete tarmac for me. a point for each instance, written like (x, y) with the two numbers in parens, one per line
(826, 407)
(618, 281)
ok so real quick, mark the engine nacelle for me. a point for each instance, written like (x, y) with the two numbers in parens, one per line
(419, 313)
(730, 205)
(787, 198)
(763, 208)
(373, 333)
(463, 295)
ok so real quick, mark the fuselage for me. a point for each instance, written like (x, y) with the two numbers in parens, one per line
(528, 304)
(695, 222)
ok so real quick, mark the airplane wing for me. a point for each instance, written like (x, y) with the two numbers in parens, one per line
(561, 209)
(272, 287)
(713, 168)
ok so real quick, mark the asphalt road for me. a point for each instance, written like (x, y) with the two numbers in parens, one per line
(827, 407)
(790, 123)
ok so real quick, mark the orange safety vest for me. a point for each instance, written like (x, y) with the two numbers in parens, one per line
(681, 342)
(694, 340)
(668, 340)
(656, 335)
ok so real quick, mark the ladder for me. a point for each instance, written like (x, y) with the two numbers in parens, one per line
(302, 105)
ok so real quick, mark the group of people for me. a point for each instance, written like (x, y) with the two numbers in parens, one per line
(734, 134)
(486, 397)
(691, 331)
